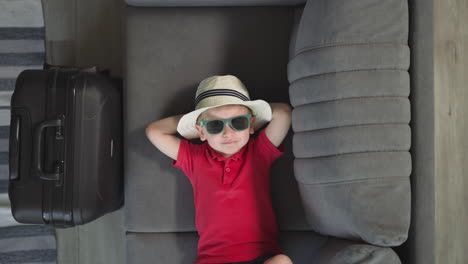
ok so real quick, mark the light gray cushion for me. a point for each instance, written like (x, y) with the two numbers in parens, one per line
(168, 52)
(350, 87)
(349, 84)
(331, 23)
(174, 3)
(348, 58)
(354, 111)
(374, 210)
(352, 167)
(352, 139)
(337, 251)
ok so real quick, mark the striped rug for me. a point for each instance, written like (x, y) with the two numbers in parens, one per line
(22, 39)
(21, 47)
(27, 244)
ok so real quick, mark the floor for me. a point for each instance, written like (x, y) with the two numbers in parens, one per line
(21, 47)
(87, 33)
(5, 212)
(101, 241)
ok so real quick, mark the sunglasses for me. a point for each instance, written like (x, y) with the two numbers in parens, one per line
(216, 126)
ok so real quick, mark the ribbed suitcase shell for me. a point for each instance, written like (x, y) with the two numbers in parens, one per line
(65, 147)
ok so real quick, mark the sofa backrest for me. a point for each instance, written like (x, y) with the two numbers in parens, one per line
(349, 88)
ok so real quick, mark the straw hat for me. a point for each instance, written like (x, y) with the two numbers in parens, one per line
(216, 91)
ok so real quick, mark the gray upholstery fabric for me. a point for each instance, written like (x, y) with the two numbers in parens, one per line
(330, 23)
(170, 248)
(422, 244)
(184, 46)
(349, 84)
(354, 111)
(351, 121)
(294, 29)
(337, 251)
(352, 139)
(352, 167)
(181, 248)
(348, 58)
(174, 3)
(302, 247)
(353, 209)
(349, 87)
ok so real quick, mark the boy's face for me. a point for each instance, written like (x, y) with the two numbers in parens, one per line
(228, 142)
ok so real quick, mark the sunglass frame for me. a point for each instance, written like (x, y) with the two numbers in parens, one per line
(228, 121)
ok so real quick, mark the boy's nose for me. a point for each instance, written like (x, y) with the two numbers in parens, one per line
(228, 130)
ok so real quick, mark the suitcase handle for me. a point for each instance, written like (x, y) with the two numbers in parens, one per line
(38, 149)
(14, 147)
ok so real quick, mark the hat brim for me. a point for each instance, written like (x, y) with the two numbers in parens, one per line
(260, 109)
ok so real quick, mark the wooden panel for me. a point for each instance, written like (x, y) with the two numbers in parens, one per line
(101, 241)
(21, 13)
(451, 130)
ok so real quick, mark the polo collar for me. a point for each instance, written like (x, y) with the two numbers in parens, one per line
(217, 156)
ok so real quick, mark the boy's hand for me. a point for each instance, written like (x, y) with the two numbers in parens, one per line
(280, 123)
(161, 134)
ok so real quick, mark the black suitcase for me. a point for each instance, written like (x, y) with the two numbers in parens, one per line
(65, 147)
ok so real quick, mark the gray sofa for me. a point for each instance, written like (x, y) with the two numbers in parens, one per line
(341, 191)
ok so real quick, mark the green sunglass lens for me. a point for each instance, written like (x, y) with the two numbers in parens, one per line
(214, 126)
(240, 123)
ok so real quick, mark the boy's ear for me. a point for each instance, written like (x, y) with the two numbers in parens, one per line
(200, 132)
(252, 122)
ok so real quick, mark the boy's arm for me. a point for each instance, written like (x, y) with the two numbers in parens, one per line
(161, 134)
(280, 123)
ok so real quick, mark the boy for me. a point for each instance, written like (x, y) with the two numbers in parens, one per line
(230, 174)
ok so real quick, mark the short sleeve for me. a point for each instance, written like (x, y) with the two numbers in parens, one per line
(266, 148)
(185, 158)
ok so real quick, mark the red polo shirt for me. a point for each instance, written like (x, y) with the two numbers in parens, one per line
(234, 216)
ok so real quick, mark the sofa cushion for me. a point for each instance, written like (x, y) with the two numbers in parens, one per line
(174, 3)
(301, 247)
(352, 139)
(348, 58)
(353, 111)
(350, 87)
(168, 52)
(337, 251)
(181, 248)
(349, 84)
(336, 22)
